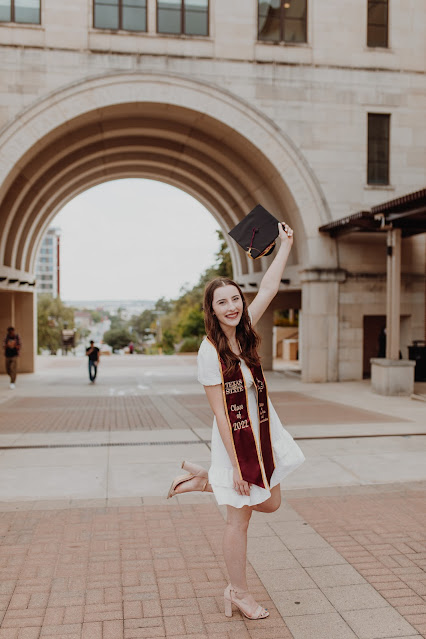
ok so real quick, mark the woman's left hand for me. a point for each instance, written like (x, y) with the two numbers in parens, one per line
(286, 233)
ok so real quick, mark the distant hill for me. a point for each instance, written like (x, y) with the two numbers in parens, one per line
(131, 307)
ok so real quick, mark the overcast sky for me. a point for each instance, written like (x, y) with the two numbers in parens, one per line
(133, 239)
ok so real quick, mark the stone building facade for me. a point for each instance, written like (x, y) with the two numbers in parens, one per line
(48, 264)
(269, 102)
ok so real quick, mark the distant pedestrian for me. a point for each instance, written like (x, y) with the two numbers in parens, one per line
(11, 347)
(131, 348)
(93, 354)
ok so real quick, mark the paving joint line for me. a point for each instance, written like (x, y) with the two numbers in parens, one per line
(199, 440)
(104, 444)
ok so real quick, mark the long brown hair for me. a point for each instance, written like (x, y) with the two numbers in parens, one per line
(247, 337)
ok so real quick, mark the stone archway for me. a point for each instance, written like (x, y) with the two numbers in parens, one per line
(189, 134)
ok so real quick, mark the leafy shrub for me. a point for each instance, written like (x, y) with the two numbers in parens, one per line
(190, 345)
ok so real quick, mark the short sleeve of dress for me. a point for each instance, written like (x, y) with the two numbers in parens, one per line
(208, 365)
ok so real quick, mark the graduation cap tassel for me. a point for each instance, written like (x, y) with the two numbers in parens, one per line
(251, 243)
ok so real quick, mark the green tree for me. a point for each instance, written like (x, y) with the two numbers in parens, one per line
(163, 305)
(52, 317)
(117, 320)
(96, 317)
(141, 324)
(192, 322)
(117, 337)
(168, 342)
(223, 265)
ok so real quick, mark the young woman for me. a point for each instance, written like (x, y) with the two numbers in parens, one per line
(251, 451)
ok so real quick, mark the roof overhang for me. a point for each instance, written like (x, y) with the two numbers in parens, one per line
(407, 213)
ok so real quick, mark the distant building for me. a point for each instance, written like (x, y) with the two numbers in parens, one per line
(48, 264)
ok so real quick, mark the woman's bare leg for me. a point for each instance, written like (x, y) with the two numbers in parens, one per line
(235, 545)
(272, 504)
(235, 554)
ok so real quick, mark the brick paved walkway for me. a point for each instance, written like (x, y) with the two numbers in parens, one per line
(383, 536)
(121, 573)
(143, 412)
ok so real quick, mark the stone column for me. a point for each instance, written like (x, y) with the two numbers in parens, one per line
(265, 329)
(393, 294)
(390, 375)
(18, 309)
(320, 325)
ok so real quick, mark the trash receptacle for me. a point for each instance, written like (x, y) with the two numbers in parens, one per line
(417, 352)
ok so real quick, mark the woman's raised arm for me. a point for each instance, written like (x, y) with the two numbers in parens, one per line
(271, 280)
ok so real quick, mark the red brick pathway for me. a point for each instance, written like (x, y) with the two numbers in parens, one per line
(120, 573)
(297, 409)
(143, 412)
(383, 536)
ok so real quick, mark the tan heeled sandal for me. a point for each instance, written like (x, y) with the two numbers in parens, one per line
(258, 613)
(194, 469)
(181, 480)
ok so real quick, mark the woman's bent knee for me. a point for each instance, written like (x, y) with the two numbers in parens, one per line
(271, 508)
(272, 504)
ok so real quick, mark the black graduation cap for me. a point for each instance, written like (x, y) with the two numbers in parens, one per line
(257, 232)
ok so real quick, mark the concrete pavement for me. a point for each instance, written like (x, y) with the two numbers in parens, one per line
(126, 435)
(91, 549)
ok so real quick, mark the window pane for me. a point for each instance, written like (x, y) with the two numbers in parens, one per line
(5, 12)
(106, 16)
(169, 16)
(378, 148)
(197, 17)
(27, 11)
(196, 5)
(377, 27)
(377, 36)
(377, 12)
(294, 31)
(295, 21)
(269, 15)
(134, 18)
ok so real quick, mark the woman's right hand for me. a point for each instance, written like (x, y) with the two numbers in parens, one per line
(240, 486)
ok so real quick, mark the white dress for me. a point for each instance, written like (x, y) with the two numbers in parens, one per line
(287, 453)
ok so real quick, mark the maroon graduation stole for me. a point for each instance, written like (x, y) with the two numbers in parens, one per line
(249, 457)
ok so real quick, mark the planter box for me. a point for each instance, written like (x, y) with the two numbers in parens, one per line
(392, 377)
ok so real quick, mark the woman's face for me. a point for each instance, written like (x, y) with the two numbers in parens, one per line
(227, 305)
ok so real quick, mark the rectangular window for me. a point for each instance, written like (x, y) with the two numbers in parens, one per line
(378, 148)
(127, 15)
(20, 11)
(189, 17)
(282, 20)
(377, 23)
